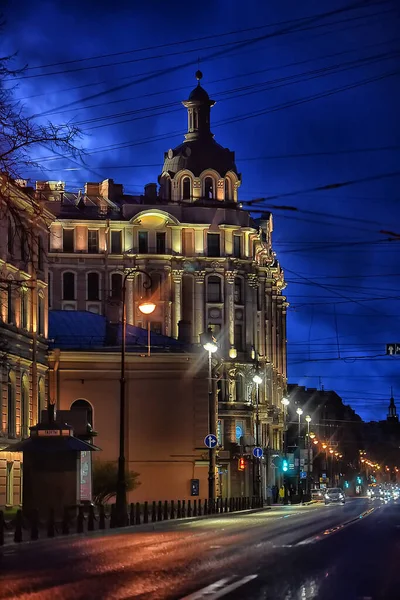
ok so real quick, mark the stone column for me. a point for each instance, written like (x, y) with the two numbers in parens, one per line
(251, 309)
(199, 296)
(177, 300)
(229, 306)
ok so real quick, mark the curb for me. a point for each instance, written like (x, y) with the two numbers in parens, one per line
(143, 527)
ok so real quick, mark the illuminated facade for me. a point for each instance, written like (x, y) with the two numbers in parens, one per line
(212, 265)
(23, 325)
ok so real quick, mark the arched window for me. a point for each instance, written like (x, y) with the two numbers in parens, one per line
(167, 188)
(10, 302)
(23, 244)
(84, 405)
(239, 385)
(24, 309)
(93, 286)
(11, 404)
(238, 291)
(41, 396)
(227, 189)
(214, 289)
(40, 319)
(186, 188)
(116, 286)
(68, 286)
(24, 401)
(208, 187)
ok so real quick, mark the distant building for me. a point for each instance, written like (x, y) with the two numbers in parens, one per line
(23, 324)
(211, 265)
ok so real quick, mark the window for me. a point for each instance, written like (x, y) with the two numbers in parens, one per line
(227, 189)
(188, 242)
(208, 188)
(239, 430)
(116, 242)
(143, 242)
(10, 304)
(239, 385)
(239, 337)
(93, 241)
(24, 406)
(213, 244)
(68, 286)
(68, 240)
(167, 189)
(238, 291)
(10, 484)
(186, 188)
(237, 246)
(93, 287)
(40, 324)
(83, 405)
(156, 327)
(155, 290)
(220, 432)
(24, 309)
(11, 404)
(160, 242)
(49, 289)
(214, 289)
(41, 397)
(259, 298)
(40, 252)
(116, 286)
(10, 237)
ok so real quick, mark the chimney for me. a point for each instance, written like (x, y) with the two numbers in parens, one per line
(110, 190)
(92, 189)
(150, 191)
(185, 332)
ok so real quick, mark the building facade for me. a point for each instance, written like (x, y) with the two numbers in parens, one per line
(23, 325)
(212, 265)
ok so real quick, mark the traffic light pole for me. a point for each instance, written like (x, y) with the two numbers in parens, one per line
(285, 481)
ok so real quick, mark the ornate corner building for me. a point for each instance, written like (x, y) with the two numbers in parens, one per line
(212, 265)
(23, 325)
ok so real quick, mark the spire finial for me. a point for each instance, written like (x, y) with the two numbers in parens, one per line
(198, 75)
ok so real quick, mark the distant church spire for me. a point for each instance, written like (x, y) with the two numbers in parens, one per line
(392, 414)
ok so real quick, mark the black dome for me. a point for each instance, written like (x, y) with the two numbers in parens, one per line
(199, 155)
(199, 94)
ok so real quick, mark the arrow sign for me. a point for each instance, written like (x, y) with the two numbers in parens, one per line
(210, 440)
(393, 349)
(257, 452)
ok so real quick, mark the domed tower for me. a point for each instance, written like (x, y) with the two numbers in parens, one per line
(199, 169)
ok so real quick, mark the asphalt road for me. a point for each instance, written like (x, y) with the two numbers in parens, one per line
(288, 553)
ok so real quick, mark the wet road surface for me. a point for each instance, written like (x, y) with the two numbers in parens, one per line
(339, 552)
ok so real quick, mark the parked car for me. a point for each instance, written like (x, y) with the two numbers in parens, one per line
(334, 495)
(317, 494)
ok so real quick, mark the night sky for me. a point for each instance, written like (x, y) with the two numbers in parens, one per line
(329, 97)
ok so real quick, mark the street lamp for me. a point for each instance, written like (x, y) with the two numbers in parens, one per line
(299, 412)
(120, 499)
(285, 403)
(308, 420)
(147, 308)
(257, 488)
(210, 344)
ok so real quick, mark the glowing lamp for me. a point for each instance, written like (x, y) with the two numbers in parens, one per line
(147, 308)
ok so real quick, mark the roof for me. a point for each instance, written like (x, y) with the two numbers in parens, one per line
(199, 155)
(82, 330)
(49, 445)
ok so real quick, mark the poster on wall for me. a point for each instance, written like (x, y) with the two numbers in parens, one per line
(86, 477)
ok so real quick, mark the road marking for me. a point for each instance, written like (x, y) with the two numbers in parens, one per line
(218, 589)
(320, 536)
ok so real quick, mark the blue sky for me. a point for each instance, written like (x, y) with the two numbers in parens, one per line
(328, 94)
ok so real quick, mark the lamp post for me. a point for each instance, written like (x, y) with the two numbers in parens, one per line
(120, 500)
(257, 488)
(331, 469)
(210, 344)
(147, 308)
(299, 412)
(285, 403)
(308, 420)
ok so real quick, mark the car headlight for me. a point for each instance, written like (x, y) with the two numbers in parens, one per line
(326, 497)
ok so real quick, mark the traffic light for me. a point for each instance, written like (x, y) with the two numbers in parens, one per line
(285, 465)
(241, 464)
(359, 480)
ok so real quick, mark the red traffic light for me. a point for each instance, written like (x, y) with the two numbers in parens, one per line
(241, 464)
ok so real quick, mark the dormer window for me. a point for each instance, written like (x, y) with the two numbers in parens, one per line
(227, 189)
(208, 188)
(186, 188)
